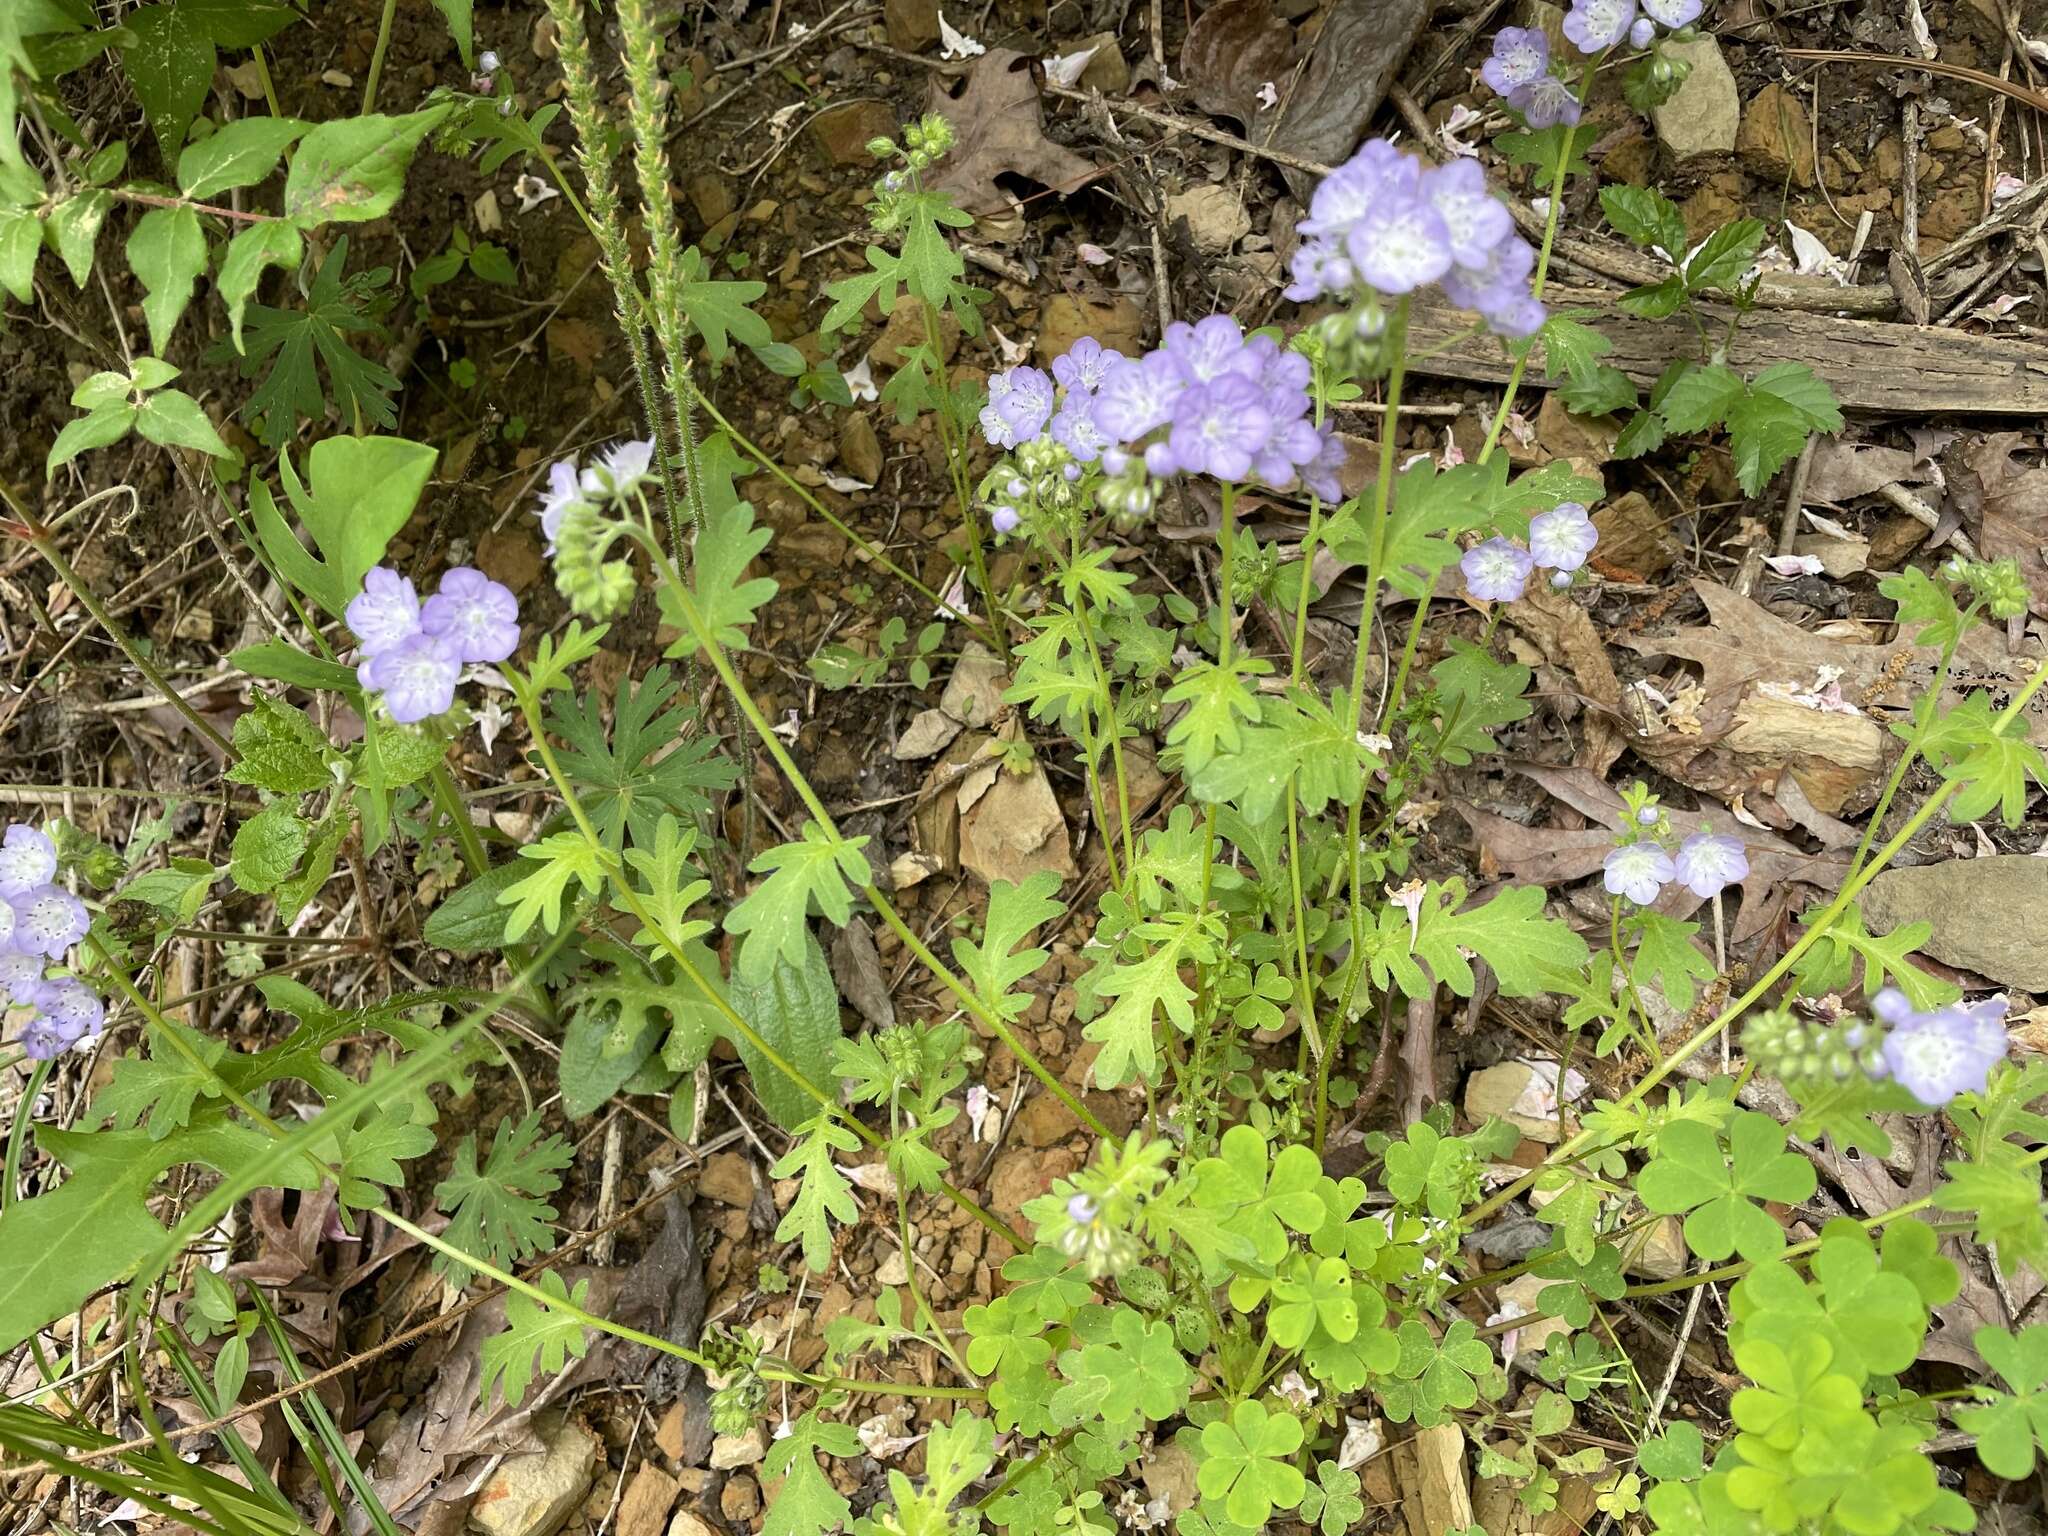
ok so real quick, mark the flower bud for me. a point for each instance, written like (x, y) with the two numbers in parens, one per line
(881, 148)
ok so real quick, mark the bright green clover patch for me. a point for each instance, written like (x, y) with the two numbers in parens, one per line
(1245, 1468)
(1719, 1192)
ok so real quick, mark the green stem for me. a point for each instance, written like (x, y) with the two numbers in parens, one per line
(1851, 888)
(952, 437)
(721, 663)
(377, 56)
(870, 552)
(1921, 730)
(654, 1341)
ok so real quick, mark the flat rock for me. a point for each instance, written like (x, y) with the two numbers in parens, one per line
(913, 24)
(532, 1495)
(727, 1178)
(843, 132)
(1216, 216)
(731, 1452)
(1704, 114)
(1659, 1253)
(974, 693)
(1776, 139)
(1066, 319)
(1986, 914)
(1524, 1093)
(648, 1499)
(929, 731)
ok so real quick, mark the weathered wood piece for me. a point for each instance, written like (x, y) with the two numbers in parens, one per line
(1872, 365)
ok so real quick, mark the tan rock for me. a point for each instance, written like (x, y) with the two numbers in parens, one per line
(511, 556)
(668, 1434)
(688, 1524)
(1442, 1489)
(1044, 1120)
(904, 329)
(1021, 1175)
(731, 1452)
(1066, 319)
(974, 693)
(739, 1500)
(728, 1178)
(928, 732)
(1523, 1093)
(533, 1495)
(1106, 71)
(843, 132)
(711, 195)
(1702, 116)
(1775, 140)
(913, 24)
(1517, 1300)
(1215, 215)
(648, 1498)
(1986, 914)
(860, 451)
(1658, 1252)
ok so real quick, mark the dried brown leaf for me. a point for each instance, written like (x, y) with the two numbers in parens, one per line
(999, 126)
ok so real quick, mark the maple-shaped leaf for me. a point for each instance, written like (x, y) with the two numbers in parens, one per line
(296, 344)
(824, 1196)
(535, 1336)
(498, 1212)
(818, 867)
(1144, 989)
(996, 964)
(648, 764)
(807, 1504)
(721, 601)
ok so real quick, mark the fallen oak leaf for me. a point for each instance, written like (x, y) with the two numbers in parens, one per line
(999, 129)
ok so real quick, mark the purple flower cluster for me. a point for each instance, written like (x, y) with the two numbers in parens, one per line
(1519, 69)
(39, 922)
(618, 472)
(1208, 401)
(1385, 222)
(1707, 863)
(1943, 1052)
(414, 652)
(1559, 541)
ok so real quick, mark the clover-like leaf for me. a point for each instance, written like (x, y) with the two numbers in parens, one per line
(1719, 1193)
(1312, 1292)
(1244, 1466)
(1267, 1199)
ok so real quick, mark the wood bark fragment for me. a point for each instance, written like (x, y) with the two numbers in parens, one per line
(1871, 365)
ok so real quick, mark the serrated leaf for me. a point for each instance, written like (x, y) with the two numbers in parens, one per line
(1476, 695)
(1643, 434)
(96, 430)
(1646, 217)
(717, 309)
(1724, 256)
(167, 253)
(795, 1009)
(557, 861)
(353, 169)
(498, 1212)
(1764, 434)
(772, 918)
(1699, 397)
(647, 767)
(824, 1196)
(534, 1337)
(267, 847)
(1142, 990)
(1667, 956)
(726, 603)
(1218, 701)
(279, 749)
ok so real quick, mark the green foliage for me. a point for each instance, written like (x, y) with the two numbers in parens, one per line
(1718, 1189)
(535, 1337)
(824, 1195)
(1245, 1466)
(648, 766)
(296, 345)
(794, 1008)
(498, 1212)
(818, 868)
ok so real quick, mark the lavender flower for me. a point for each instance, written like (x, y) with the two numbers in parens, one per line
(1496, 571)
(1320, 473)
(72, 1008)
(1642, 32)
(416, 677)
(1597, 25)
(1561, 538)
(1208, 349)
(1709, 862)
(1075, 428)
(565, 490)
(1546, 103)
(40, 1040)
(20, 975)
(1474, 219)
(1401, 248)
(1673, 13)
(476, 615)
(1137, 396)
(385, 612)
(1521, 56)
(1019, 403)
(1936, 1055)
(619, 471)
(1638, 871)
(1219, 427)
(1004, 519)
(48, 920)
(27, 859)
(1085, 364)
